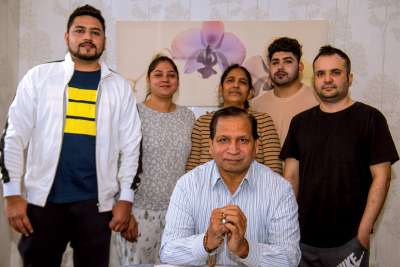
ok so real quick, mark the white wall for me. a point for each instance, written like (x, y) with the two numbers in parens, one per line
(368, 30)
(9, 24)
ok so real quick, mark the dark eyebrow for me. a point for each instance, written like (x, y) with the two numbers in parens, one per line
(289, 57)
(158, 71)
(96, 29)
(83, 27)
(285, 58)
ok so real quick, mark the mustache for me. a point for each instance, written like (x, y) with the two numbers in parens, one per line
(280, 72)
(88, 43)
(329, 86)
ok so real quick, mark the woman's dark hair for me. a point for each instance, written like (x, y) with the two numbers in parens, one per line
(248, 76)
(153, 65)
(157, 60)
(136, 180)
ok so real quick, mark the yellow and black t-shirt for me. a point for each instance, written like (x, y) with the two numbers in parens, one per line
(76, 178)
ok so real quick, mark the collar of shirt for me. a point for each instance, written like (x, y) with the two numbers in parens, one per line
(248, 180)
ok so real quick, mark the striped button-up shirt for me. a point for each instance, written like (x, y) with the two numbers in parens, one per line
(266, 199)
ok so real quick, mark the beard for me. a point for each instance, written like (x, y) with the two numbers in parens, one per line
(338, 95)
(286, 80)
(85, 56)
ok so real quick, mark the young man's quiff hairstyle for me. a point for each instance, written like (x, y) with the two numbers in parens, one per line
(86, 10)
(285, 44)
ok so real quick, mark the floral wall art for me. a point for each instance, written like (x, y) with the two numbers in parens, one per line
(202, 51)
(368, 30)
(204, 48)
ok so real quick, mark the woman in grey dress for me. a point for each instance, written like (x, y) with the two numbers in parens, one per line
(166, 144)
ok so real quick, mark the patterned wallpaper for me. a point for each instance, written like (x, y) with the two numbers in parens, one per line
(369, 30)
(8, 79)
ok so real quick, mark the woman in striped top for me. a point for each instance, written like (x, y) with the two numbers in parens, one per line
(236, 89)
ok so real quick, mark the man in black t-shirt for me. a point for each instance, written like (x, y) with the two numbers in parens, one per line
(338, 157)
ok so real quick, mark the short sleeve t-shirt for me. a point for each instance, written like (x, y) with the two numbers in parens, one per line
(335, 151)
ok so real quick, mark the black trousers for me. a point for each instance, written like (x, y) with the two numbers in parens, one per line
(57, 224)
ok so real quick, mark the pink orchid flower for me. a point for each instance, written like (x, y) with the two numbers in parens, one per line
(204, 48)
(258, 69)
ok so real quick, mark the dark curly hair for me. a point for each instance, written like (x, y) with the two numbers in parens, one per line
(285, 44)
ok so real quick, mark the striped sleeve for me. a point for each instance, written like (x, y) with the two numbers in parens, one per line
(180, 243)
(269, 145)
(199, 153)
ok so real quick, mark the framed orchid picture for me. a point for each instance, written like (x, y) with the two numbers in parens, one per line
(203, 49)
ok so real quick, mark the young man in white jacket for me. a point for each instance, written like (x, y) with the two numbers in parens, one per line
(79, 123)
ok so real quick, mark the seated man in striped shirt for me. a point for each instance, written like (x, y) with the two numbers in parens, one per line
(232, 210)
